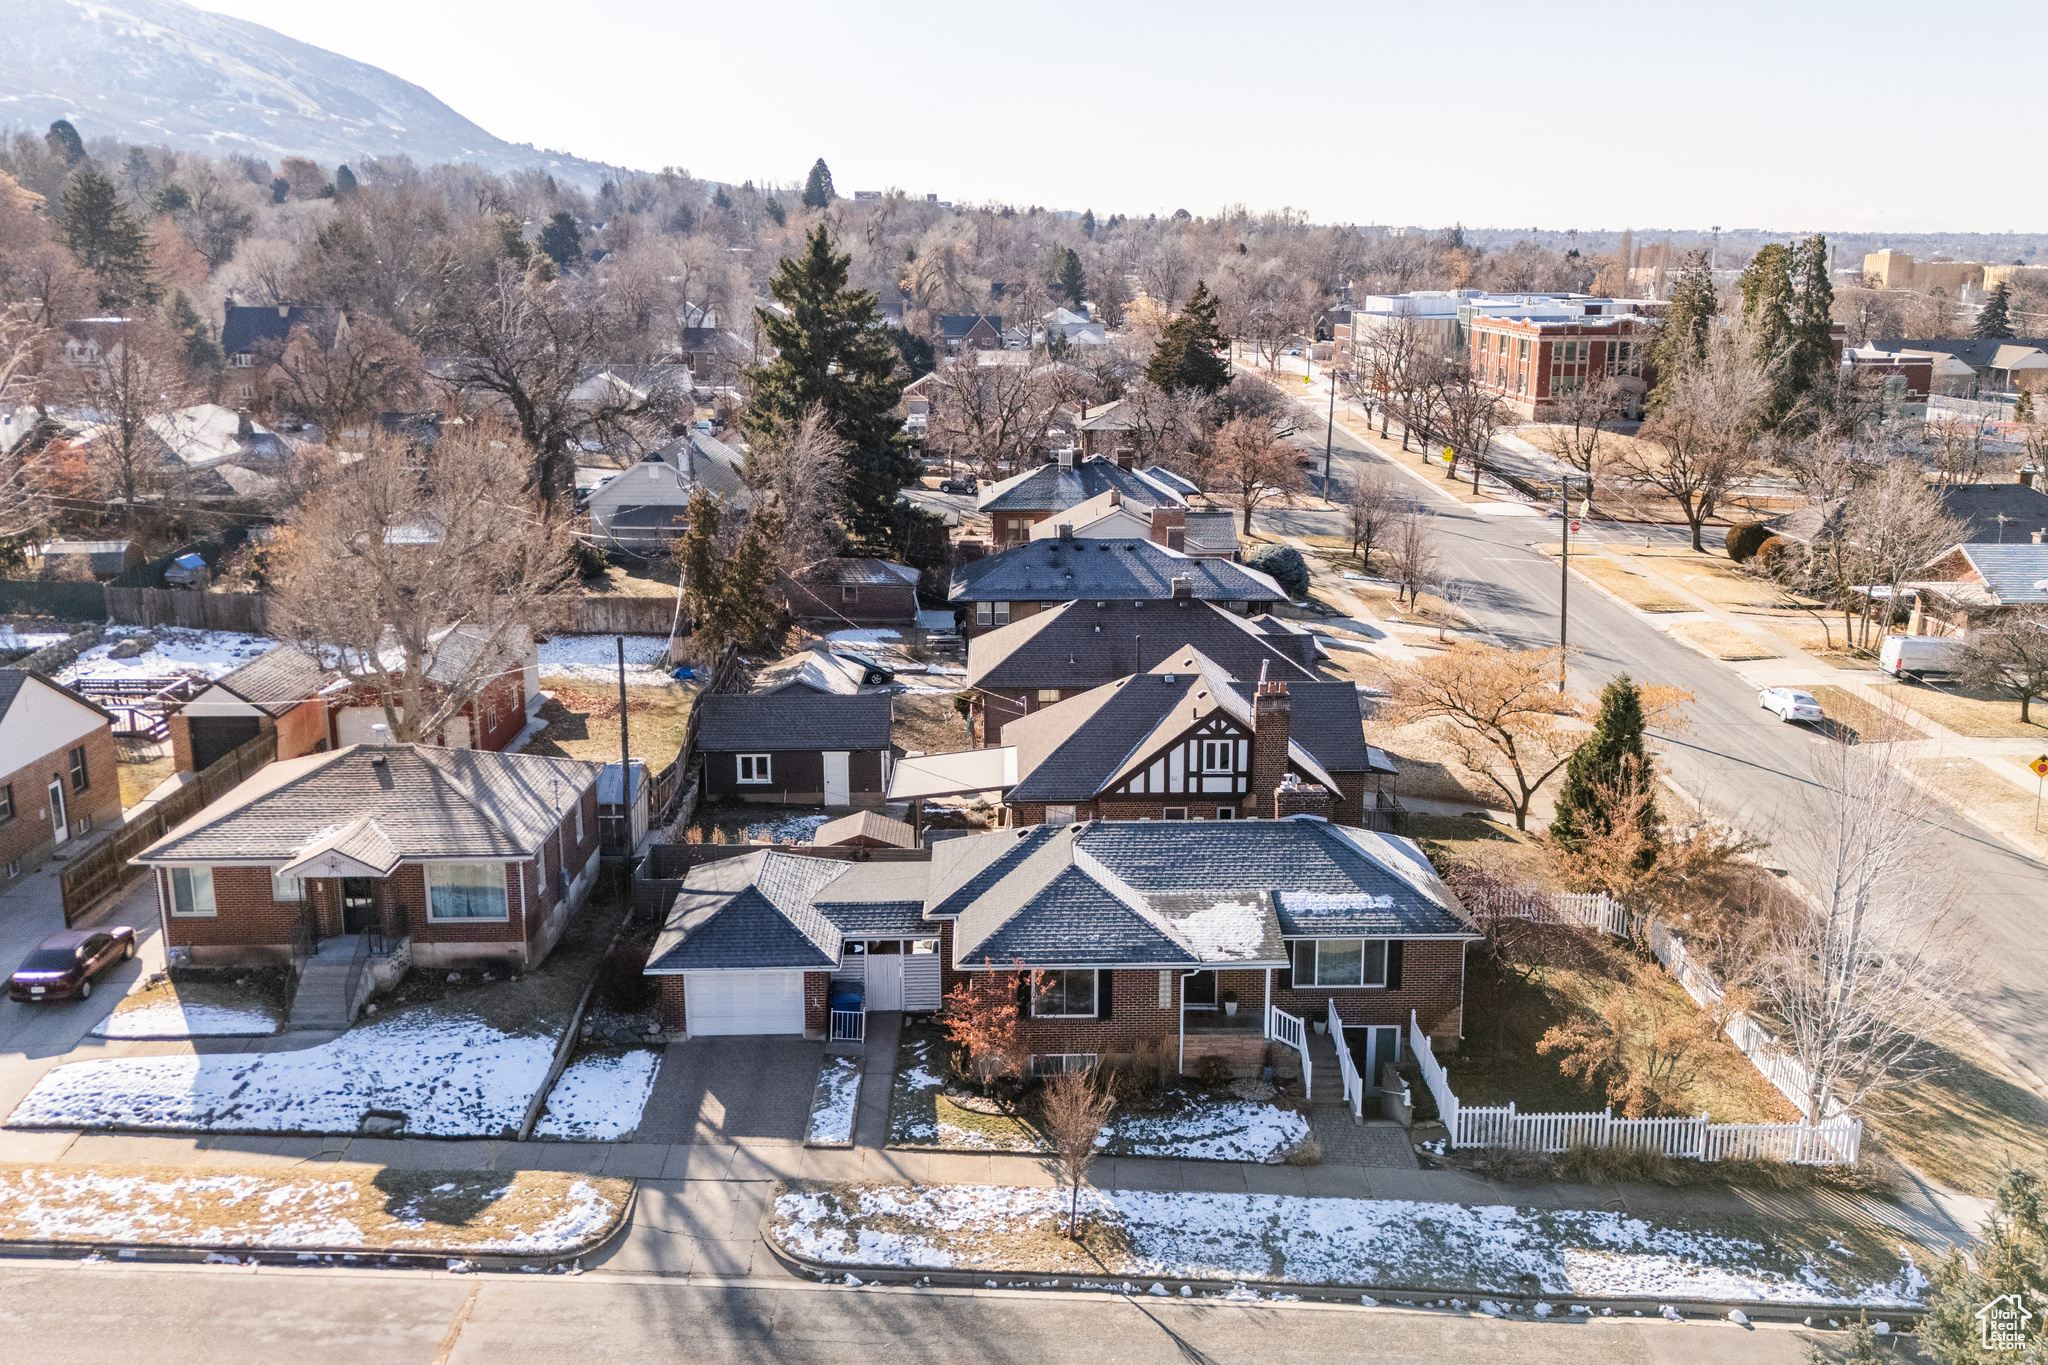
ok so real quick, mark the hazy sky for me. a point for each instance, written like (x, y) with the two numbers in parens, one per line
(1569, 114)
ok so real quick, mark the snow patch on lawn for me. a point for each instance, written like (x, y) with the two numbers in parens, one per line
(595, 658)
(584, 1219)
(451, 1075)
(206, 653)
(863, 637)
(790, 829)
(834, 1103)
(1580, 1253)
(599, 1099)
(1234, 1130)
(173, 1019)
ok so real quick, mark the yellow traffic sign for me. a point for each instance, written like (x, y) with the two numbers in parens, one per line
(2040, 766)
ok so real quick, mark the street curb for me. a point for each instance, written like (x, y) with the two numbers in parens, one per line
(365, 1258)
(1280, 1291)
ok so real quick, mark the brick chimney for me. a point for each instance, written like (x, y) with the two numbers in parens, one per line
(1126, 458)
(2027, 472)
(1183, 587)
(1165, 522)
(1269, 744)
(1116, 497)
(1295, 797)
(244, 428)
(1067, 532)
(969, 550)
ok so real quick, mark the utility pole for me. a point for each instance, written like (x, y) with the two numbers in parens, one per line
(1330, 433)
(625, 745)
(1564, 569)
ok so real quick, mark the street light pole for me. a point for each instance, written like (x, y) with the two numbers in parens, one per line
(1329, 433)
(1564, 569)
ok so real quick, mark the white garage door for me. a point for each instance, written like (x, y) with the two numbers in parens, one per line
(744, 1002)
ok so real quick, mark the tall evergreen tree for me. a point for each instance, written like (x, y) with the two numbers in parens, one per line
(1995, 322)
(105, 239)
(63, 139)
(1088, 224)
(1067, 276)
(202, 354)
(1602, 761)
(1770, 308)
(1687, 324)
(344, 181)
(818, 188)
(561, 239)
(1813, 316)
(1186, 357)
(832, 349)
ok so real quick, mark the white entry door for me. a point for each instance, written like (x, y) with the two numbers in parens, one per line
(885, 981)
(744, 1002)
(60, 819)
(838, 781)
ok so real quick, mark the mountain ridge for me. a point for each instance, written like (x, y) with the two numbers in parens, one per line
(164, 71)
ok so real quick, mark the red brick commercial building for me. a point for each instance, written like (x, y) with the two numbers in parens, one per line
(58, 781)
(1535, 363)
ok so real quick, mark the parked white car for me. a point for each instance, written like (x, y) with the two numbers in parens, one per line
(1790, 704)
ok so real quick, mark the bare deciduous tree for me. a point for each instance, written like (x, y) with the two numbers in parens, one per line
(991, 416)
(1466, 415)
(24, 511)
(1075, 1108)
(345, 380)
(1412, 553)
(803, 468)
(1579, 423)
(406, 564)
(1705, 433)
(2009, 656)
(1500, 709)
(137, 382)
(1247, 460)
(1370, 509)
(1861, 975)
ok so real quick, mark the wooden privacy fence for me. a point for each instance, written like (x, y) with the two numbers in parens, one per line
(105, 867)
(1833, 1143)
(247, 612)
(618, 616)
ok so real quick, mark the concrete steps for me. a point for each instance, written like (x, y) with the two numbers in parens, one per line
(322, 999)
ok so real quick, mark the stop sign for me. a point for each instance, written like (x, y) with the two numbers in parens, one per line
(1575, 528)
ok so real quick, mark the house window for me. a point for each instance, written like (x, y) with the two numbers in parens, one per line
(192, 891)
(1060, 1063)
(753, 767)
(79, 779)
(6, 802)
(1048, 695)
(465, 890)
(1217, 755)
(240, 360)
(13, 868)
(1002, 613)
(1064, 995)
(848, 593)
(984, 613)
(1059, 815)
(84, 826)
(286, 888)
(1350, 962)
(1174, 813)
(1226, 812)
(579, 818)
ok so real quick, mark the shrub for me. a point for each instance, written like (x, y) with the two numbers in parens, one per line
(1212, 1070)
(1286, 566)
(1133, 1084)
(1775, 553)
(1514, 1166)
(1745, 540)
(1307, 1152)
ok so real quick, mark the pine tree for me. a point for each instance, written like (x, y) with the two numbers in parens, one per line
(1769, 307)
(1067, 276)
(1687, 324)
(202, 356)
(696, 553)
(561, 240)
(1995, 322)
(747, 592)
(1186, 357)
(1813, 316)
(1088, 224)
(344, 181)
(64, 141)
(818, 188)
(1603, 761)
(831, 349)
(104, 239)
(720, 199)
(775, 211)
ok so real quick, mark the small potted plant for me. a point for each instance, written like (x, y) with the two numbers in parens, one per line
(1230, 1003)
(1322, 1026)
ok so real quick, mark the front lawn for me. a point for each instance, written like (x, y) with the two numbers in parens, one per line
(191, 1002)
(583, 721)
(1974, 715)
(1363, 1243)
(1178, 1122)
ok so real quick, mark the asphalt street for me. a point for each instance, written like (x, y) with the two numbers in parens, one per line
(1734, 755)
(220, 1315)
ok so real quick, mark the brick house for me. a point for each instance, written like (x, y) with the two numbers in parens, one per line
(1038, 575)
(474, 857)
(1052, 655)
(60, 783)
(1133, 933)
(1016, 504)
(970, 332)
(1181, 742)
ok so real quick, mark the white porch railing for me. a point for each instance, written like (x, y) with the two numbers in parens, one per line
(1347, 1070)
(848, 1026)
(1283, 1027)
(1433, 1076)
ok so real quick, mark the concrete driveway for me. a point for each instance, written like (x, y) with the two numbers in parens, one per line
(34, 1037)
(731, 1090)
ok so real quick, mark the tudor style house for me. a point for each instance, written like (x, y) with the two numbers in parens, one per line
(472, 857)
(1182, 742)
(1051, 655)
(58, 781)
(1119, 933)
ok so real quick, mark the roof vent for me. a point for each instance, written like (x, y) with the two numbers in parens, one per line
(1166, 677)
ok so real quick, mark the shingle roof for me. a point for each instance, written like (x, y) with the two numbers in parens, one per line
(1053, 488)
(2013, 573)
(751, 912)
(954, 326)
(866, 824)
(278, 679)
(1977, 505)
(1977, 354)
(246, 327)
(860, 571)
(1080, 644)
(1113, 570)
(1212, 533)
(1082, 746)
(427, 802)
(792, 720)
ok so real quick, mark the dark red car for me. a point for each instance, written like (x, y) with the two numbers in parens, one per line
(63, 965)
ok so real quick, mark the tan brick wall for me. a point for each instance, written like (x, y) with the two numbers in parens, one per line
(29, 836)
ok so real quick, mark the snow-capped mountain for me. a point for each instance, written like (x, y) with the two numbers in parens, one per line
(161, 71)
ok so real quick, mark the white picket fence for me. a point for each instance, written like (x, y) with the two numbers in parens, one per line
(1758, 1043)
(1347, 1070)
(1283, 1027)
(1590, 910)
(1833, 1143)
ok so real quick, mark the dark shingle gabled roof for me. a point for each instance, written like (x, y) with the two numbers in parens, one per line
(792, 720)
(244, 328)
(1055, 570)
(751, 912)
(278, 679)
(1080, 645)
(1055, 488)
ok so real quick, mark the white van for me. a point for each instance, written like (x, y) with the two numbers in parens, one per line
(1918, 654)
